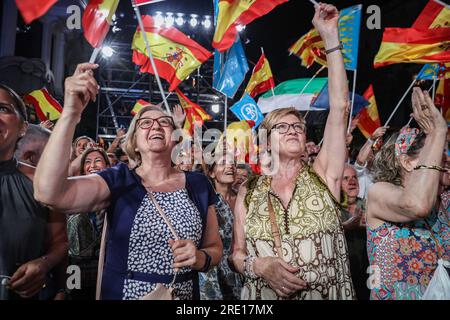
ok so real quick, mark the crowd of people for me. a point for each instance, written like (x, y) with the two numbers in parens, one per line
(309, 226)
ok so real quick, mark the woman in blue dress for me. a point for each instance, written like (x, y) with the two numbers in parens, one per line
(140, 249)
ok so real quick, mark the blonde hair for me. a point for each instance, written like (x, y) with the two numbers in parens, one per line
(130, 141)
(272, 118)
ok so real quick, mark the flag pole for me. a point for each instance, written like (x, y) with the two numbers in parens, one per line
(273, 92)
(225, 116)
(313, 77)
(147, 45)
(353, 101)
(94, 55)
(434, 88)
(400, 102)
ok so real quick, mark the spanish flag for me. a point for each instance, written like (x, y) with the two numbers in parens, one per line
(47, 108)
(238, 12)
(32, 9)
(175, 55)
(368, 118)
(195, 115)
(310, 48)
(442, 98)
(262, 78)
(97, 18)
(436, 14)
(409, 45)
(139, 105)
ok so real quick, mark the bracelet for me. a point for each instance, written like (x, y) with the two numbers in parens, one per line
(249, 272)
(207, 264)
(339, 47)
(438, 168)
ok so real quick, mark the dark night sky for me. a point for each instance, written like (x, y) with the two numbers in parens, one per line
(285, 24)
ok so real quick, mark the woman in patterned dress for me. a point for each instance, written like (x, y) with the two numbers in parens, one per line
(140, 250)
(305, 200)
(221, 282)
(405, 236)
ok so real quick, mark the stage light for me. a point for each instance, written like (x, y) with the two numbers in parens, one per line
(107, 52)
(240, 27)
(193, 22)
(169, 19)
(179, 20)
(215, 108)
(159, 19)
(207, 22)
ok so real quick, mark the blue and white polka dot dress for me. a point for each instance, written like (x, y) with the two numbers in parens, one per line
(149, 251)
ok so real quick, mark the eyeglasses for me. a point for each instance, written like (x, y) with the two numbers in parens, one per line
(283, 127)
(147, 123)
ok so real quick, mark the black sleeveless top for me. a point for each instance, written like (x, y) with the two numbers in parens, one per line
(23, 222)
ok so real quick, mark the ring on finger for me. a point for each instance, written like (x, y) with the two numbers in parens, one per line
(424, 106)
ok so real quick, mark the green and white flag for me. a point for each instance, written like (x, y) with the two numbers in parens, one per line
(287, 94)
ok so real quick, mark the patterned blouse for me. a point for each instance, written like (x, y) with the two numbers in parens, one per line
(220, 283)
(311, 234)
(403, 257)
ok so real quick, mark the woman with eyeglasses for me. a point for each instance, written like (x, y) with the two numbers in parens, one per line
(141, 250)
(33, 239)
(288, 239)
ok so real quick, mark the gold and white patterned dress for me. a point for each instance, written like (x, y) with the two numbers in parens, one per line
(312, 238)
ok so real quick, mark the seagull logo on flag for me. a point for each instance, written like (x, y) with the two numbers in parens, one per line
(250, 112)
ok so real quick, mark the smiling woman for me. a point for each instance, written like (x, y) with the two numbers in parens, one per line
(140, 248)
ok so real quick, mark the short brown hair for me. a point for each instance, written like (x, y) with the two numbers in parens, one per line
(271, 119)
(90, 150)
(130, 141)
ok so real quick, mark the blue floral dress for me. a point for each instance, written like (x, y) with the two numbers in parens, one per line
(403, 257)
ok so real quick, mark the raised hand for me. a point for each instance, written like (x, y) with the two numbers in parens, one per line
(80, 88)
(326, 23)
(425, 112)
(179, 115)
(47, 124)
(379, 132)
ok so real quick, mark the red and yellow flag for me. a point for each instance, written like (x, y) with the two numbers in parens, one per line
(195, 115)
(442, 98)
(32, 9)
(47, 108)
(175, 55)
(238, 12)
(262, 78)
(368, 119)
(435, 15)
(97, 18)
(139, 105)
(409, 45)
(310, 48)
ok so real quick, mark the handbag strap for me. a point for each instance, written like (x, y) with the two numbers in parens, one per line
(101, 259)
(274, 227)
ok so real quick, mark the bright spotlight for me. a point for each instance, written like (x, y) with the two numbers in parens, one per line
(215, 108)
(207, 22)
(240, 27)
(107, 52)
(179, 20)
(193, 22)
(159, 19)
(170, 20)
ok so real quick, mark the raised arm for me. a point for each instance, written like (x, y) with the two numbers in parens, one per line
(330, 162)
(366, 149)
(51, 184)
(416, 199)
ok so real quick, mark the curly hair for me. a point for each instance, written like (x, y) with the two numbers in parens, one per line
(387, 167)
